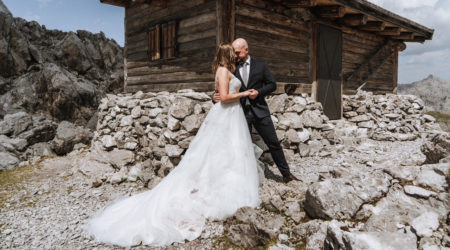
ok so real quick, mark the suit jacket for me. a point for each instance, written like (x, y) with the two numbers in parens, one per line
(262, 80)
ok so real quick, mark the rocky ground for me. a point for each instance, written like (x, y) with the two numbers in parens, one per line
(345, 199)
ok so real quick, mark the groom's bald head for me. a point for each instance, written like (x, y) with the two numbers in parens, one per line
(241, 49)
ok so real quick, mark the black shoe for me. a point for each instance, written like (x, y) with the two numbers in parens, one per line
(289, 178)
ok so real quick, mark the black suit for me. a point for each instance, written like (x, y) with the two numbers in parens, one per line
(258, 114)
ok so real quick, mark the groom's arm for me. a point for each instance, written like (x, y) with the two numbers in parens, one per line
(269, 84)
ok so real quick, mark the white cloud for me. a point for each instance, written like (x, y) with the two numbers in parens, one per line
(31, 16)
(419, 60)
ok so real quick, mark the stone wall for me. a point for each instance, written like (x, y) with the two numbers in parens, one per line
(158, 127)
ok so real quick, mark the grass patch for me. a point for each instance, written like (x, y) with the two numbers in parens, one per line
(439, 116)
(12, 182)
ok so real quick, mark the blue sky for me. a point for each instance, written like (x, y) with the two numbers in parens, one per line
(72, 15)
(415, 63)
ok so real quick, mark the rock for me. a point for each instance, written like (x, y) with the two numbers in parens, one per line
(119, 157)
(277, 103)
(130, 145)
(397, 208)
(303, 135)
(292, 120)
(173, 123)
(39, 149)
(136, 112)
(8, 161)
(430, 178)
(108, 142)
(193, 122)
(173, 150)
(342, 198)
(253, 229)
(312, 119)
(135, 172)
(378, 240)
(292, 136)
(181, 107)
(436, 147)
(126, 121)
(14, 124)
(425, 224)
(154, 112)
(418, 192)
(118, 177)
(67, 135)
(360, 118)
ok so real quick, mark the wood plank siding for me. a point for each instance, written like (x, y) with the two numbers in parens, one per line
(359, 47)
(280, 41)
(195, 46)
(284, 41)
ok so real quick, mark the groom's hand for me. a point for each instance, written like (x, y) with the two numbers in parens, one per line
(253, 94)
(216, 96)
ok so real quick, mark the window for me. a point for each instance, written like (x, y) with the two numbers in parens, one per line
(162, 41)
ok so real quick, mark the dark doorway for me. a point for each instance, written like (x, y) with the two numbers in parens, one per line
(329, 55)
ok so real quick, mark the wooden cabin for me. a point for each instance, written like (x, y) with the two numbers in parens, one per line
(322, 47)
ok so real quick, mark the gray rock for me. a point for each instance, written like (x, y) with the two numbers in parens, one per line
(418, 191)
(173, 123)
(277, 103)
(108, 142)
(14, 124)
(193, 122)
(425, 224)
(181, 107)
(379, 240)
(342, 198)
(173, 150)
(8, 161)
(254, 229)
(397, 208)
(436, 147)
(430, 178)
(312, 118)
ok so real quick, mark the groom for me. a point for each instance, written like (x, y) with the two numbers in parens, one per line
(256, 77)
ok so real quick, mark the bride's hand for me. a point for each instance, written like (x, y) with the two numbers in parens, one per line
(246, 93)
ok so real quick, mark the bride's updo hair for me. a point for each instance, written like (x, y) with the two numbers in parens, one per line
(224, 58)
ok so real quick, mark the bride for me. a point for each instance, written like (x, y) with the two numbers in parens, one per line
(217, 175)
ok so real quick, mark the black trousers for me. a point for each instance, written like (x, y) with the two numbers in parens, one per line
(266, 130)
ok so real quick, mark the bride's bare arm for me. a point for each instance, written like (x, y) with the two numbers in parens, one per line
(223, 78)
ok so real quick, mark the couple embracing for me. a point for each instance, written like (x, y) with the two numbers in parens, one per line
(218, 173)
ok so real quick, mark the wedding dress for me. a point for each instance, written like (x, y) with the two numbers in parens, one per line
(217, 175)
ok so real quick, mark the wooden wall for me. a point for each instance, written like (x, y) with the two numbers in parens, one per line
(357, 47)
(196, 39)
(282, 42)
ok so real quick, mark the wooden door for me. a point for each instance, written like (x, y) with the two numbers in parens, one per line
(329, 64)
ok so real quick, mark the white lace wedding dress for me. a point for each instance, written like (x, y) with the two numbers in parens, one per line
(217, 175)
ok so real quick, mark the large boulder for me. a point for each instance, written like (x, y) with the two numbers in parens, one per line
(342, 198)
(436, 147)
(67, 135)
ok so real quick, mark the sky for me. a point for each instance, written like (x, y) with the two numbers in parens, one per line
(415, 63)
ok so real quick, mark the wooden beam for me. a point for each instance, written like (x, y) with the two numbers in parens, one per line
(390, 31)
(225, 16)
(381, 14)
(418, 39)
(354, 19)
(331, 11)
(120, 3)
(158, 3)
(373, 26)
(404, 36)
(299, 3)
